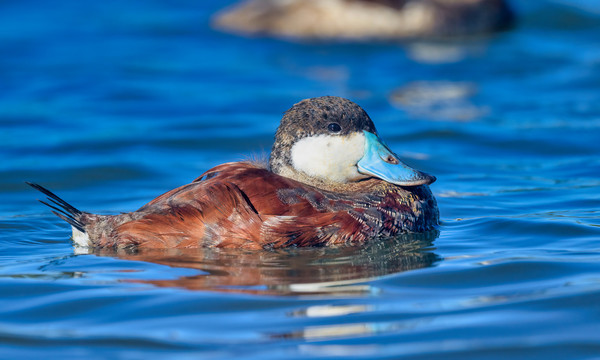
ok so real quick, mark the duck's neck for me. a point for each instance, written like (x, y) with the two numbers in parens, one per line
(367, 185)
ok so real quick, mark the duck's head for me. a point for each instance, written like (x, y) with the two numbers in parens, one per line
(332, 141)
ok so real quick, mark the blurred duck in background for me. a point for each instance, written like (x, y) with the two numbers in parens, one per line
(365, 19)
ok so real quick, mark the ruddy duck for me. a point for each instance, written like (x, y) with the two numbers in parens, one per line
(330, 180)
(366, 19)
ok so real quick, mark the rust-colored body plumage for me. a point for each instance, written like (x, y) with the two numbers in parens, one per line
(241, 205)
(330, 181)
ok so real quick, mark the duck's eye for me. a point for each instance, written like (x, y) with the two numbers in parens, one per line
(334, 127)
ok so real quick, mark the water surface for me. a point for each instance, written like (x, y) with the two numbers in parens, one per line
(111, 103)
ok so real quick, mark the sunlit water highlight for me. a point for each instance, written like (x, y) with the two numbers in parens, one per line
(112, 103)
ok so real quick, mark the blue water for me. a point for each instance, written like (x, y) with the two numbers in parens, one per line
(110, 103)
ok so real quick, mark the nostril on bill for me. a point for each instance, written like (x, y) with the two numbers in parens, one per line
(391, 160)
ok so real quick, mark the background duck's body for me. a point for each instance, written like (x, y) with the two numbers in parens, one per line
(366, 19)
(295, 202)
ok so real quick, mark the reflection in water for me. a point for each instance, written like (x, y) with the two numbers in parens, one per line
(437, 53)
(439, 100)
(336, 271)
(344, 329)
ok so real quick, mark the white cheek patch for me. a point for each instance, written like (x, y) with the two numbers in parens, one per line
(330, 157)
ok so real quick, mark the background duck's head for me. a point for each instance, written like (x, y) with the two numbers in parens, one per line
(331, 140)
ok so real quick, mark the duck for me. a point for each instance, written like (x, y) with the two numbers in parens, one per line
(365, 20)
(330, 180)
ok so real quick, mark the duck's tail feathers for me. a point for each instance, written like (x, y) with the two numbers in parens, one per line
(61, 208)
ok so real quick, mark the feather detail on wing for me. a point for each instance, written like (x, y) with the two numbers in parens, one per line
(323, 229)
(218, 215)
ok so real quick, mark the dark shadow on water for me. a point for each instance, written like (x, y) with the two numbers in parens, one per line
(343, 271)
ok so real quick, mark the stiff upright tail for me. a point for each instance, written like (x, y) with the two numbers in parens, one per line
(62, 209)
